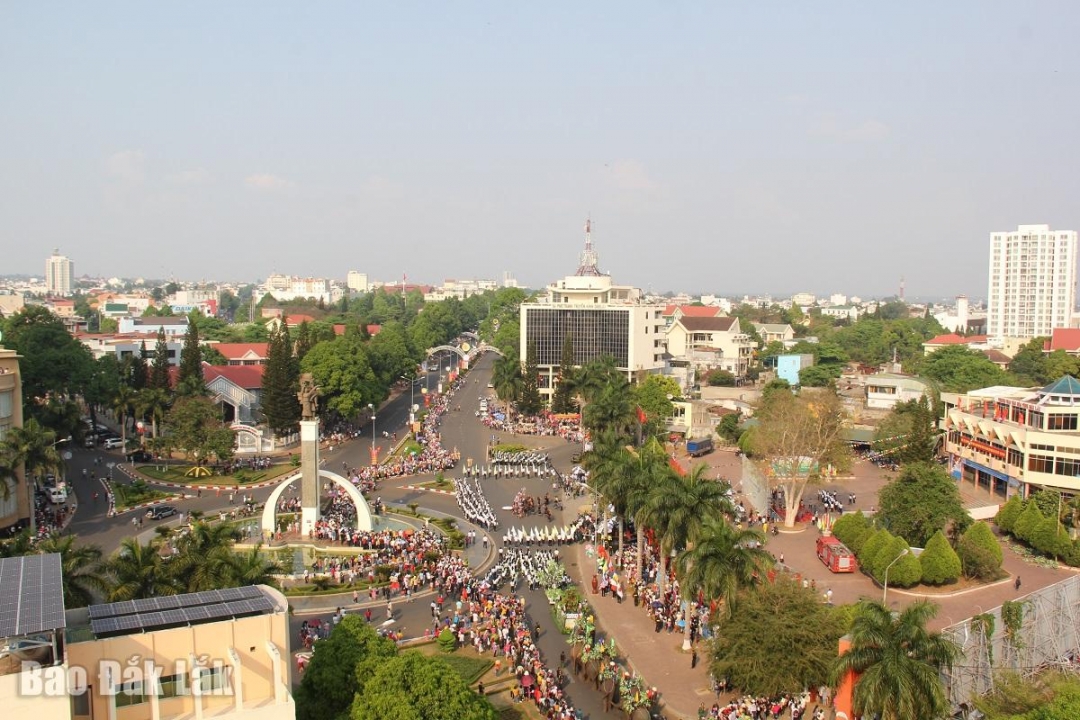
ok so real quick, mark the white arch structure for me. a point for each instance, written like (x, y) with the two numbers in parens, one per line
(363, 512)
(451, 348)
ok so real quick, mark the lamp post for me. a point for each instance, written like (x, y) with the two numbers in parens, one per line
(412, 390)
(885, 592)
(371, 408)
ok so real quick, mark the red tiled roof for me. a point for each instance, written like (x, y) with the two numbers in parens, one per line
(235, 351)
(248, 377)
(949, 339)
(714, 324)
(692, 310)
(373, 330)
(1067, 339)
(294, 320)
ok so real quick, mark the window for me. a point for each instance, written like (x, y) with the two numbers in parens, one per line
(1067, 466)
(174, 685)
(214, 680)
(1061, 422)
(1041, 463)
(80, 701)
(130, 693)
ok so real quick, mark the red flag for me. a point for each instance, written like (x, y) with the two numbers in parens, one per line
(641, 415)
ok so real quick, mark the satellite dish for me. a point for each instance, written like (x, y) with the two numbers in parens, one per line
(67, 455)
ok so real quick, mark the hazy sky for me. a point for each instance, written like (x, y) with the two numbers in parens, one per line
(719, 147)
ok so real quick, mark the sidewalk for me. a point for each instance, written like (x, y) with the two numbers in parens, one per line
(656, 657)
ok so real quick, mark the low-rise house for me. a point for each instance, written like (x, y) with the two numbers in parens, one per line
(710, 343)
(774, 332)
(885, 390)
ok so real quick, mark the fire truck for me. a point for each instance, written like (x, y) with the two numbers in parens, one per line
(836, 555)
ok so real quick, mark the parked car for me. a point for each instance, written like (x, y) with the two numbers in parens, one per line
(90, 442)
(160, 512)
(113, 443)
(57, 495)
(139, 456)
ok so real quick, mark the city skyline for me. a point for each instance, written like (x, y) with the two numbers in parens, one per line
(716, 149)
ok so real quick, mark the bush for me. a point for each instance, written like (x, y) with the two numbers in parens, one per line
(852, 529)
(1008, 514)
(905, 572)
(1028, 523)
(866, 555)
(720, 378)
(447, 640)
(940, 563)
(980, 554)
(1051, 539)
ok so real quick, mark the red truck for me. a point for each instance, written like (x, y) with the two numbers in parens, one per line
(836, 555)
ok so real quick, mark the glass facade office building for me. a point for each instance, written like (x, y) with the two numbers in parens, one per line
(595, 332)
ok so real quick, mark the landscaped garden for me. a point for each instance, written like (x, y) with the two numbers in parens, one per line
(126, 495)
(179, 474)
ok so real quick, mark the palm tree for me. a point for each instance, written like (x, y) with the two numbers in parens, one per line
(612, 474)
(678, 507)
(82, 570)
(613, 409)
(17, 546)
(123, 405)
(205, 558)
(650, 471)
(31, 446)
(723, 560)
(506, 377)
(253, 568)
(586, 382)
(151, 404)
(138, 571)
(898, 662)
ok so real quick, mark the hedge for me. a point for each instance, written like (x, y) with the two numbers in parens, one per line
(852, 529)
(980, 553)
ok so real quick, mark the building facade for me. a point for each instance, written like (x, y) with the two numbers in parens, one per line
(1010, 440)
(1032, 281)
(15, 508)
(600, 317)
(59, 274)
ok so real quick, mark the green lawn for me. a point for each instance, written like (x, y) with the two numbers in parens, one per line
(470, 669)
(136, 493)
(175, 474)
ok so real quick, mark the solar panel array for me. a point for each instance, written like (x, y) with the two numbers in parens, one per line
(31, 595)
(178, 610)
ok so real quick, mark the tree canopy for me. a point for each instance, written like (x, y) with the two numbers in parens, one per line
(752, 647)
(920, 501)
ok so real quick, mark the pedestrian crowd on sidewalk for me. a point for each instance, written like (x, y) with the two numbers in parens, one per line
(761, 708)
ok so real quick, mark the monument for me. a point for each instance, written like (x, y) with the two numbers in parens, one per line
(311, 474)
(309, 453)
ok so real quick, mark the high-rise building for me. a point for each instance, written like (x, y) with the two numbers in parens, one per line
(357, 281)
(601, 319)
(59, 274)
(1032, 282)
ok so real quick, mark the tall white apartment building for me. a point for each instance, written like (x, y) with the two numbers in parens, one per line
(1032, 282)
(601, 319)
(59, 274)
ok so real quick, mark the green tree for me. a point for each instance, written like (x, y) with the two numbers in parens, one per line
(196, 429)
(506, 377)
(852, 529)
(81, 569)
(903, 568)
(281, 382)
(819, 375)
(411, 686)
(1009, 513)
(980, 553)
(333, 678)
(1029, 363)
(940, 563)
(720, 378)
(898, 662)
(909, 433)
(612, 473)
(958, 369)
(304, 342)
(562, 401)
(874, 543)
(190, 379)
(159, 368)
(138, 571)
(204, 559)
(530, 402)
(753, 648)
(52, 361)
(654, 396)
(678, 508)
(152, 404)
(1028, 522)
(920, 501)
(613, 409)
(31, 447)
(342, 371)
(721, 561)
(796, 437)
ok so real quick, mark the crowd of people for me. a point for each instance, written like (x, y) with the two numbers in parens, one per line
(516, 565)
(545, 424)
(761, 708)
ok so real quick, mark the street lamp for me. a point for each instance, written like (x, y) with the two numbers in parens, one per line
(371, 408)
(412, 390)
(885, 592)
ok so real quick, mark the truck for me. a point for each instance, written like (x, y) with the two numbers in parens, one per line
(836, 556)
(697, 447)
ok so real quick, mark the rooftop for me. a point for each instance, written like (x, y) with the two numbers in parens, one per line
(171, 611)
(31, 595)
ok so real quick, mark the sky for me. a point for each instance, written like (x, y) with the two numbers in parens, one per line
(729, 148)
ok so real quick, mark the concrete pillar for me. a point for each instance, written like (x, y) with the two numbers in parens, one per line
(309, 481)
(237, 679)
(279, 680)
